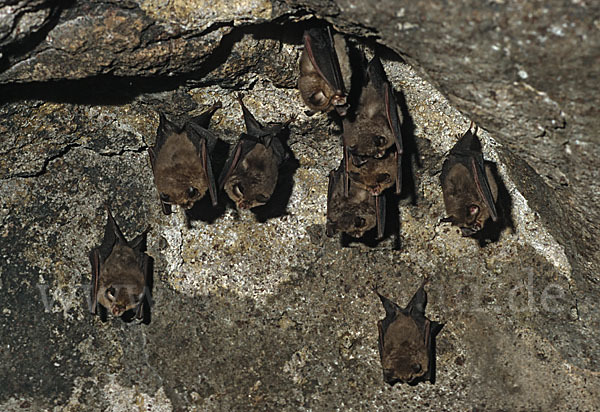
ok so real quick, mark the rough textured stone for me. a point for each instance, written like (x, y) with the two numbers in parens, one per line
(268, 313)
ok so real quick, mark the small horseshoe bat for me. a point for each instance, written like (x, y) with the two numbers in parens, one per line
(356, 213)
(377, 125)
(406, 338)
(321, 81)
(181, 162)
(470, 190)
(251, 172)
(121, 273)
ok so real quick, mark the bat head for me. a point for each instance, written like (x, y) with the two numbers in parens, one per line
(404, 356)
(124, 288)
(353, 219)
(253, 181)
(374, 175)
(369, 134)
(181, 185)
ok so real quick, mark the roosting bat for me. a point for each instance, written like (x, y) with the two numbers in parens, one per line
(181, 162)
(251, 172)
(377, 124)
(372, 174)
(121, 272)
(324, 65)
(406, 340)
(356, 213)
(470, 190)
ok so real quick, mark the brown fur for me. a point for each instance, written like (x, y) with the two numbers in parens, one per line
(178, 168)
(461, 196)
(122, 272)
(257, 175)
(404, 356)
(374, 175)
(354, 215)
(314, 90)
(369, 134)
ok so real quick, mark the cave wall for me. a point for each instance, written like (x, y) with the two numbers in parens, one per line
(290, 324)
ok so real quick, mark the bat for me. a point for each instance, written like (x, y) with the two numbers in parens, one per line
(356, 213)
(181, 162)
(376, 127)
(372, 174)
(406, 336)
(251, 172)
(469, 188)
(321, 81)
(121, 273)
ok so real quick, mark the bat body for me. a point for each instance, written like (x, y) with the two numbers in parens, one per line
(121, 271)
(356, 213)
(181, 163)
(377, 124)
(470, 190)
(372, 174)
(324, 65)
(251, 172)
(406, 340)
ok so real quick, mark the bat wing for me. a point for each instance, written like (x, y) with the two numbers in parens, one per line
(144, 305)
(95, 261)
(380, 215)
(202, 139)
(243, 147)
(253, 127)
(320, 48)
(379, 80)
(391, 312)
(467, 151)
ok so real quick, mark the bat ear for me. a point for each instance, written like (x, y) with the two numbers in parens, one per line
(166, 127)
(112, 228)
(203, 120)
(253, 128)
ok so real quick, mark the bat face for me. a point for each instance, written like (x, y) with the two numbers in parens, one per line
(355, 214)
(120, 272)
(251, 173)
(253, 180)
(406, 340)
(181, 164)
(371, 174)
(376, 127)
(469, 188)
(321, 82)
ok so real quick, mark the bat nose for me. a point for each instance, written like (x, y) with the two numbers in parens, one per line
(379, 140)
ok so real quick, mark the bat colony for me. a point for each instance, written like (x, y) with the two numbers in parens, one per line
(370, 168)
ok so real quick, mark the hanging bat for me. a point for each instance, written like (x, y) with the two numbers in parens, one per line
(121, 273)
(356, 213)
(251, 172)
(181, 162)
(324, 65)
(406, 340)
(372, 174)
(376, 127)
(470, 190)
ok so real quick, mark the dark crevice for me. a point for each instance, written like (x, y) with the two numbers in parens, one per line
(66, 149)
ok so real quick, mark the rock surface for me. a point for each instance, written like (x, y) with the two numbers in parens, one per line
(269, 313)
